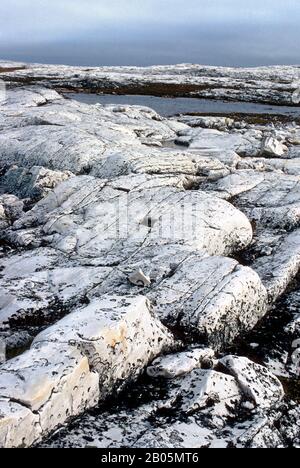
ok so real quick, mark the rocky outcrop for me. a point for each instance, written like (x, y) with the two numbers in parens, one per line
(176, 365)
(279, 269)
(74, 364)
(277, 85)
(11, 208)
(212, 298)
(32, 184)
(121, 251)
(193, 410)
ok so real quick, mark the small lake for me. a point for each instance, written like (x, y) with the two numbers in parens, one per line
(168, 107)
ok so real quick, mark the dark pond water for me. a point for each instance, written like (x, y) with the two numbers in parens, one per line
(172, 106)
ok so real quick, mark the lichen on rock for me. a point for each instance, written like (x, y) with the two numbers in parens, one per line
(134, 268)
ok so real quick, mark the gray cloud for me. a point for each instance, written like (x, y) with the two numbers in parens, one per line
(150, 31)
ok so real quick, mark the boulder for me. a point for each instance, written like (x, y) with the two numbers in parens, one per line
(256, 382)
(72, 365)
(213, 298)
(40, 390)
(11, 208)
(199, 409)
(89, 218)
(279, 269)
(176, 365)
(119, 335)
(274, 148)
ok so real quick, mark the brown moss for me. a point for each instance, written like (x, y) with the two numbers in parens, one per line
(146, 89)
(12, 69)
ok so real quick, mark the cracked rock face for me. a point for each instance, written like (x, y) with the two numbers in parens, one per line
(118, 334)
(208, 298)
(77, 362)
(69, 219)
(255, 381)
(192, 411)
(150, 263)
(47, 384)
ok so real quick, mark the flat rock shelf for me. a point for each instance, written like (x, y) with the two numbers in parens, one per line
(149, 265)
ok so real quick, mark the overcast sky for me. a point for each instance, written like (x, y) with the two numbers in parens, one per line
(144, 32)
